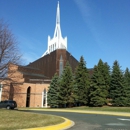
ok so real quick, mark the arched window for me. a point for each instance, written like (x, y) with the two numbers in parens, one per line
(44, 91)
(28, 97)
(44, 98)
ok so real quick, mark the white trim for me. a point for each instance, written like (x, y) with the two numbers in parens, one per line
(46, 99)
(42, 98)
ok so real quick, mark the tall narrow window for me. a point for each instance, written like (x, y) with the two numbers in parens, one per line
(49, 49)
(60, 65)
(28, 97)
(55, 46)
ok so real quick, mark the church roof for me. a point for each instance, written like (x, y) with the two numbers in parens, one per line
(34, 74)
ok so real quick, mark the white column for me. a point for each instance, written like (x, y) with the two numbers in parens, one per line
(42, 98)
(46, 100)
(0, 91)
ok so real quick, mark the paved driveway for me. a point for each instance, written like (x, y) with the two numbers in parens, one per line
(93, 121)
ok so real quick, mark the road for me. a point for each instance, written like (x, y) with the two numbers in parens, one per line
(92, 121)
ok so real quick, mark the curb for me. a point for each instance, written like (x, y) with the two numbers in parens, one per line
(68, 123)
(126, 114)
(63, 126)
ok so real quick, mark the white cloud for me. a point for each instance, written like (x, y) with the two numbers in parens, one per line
(83, 8)
(88, 14)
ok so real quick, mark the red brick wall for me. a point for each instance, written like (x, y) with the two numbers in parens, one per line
(35, 94)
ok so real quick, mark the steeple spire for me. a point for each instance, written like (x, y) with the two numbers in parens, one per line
(57, 42)
(58, 14)
(57, 32)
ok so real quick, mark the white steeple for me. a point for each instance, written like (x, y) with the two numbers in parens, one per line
(57, 42)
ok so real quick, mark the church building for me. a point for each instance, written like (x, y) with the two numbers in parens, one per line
(28, 85)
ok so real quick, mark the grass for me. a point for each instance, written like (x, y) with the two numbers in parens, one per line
(86, 108)
(105, 108)
(12, 120)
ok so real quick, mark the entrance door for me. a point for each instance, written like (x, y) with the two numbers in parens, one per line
(28, 97)
(44, 97)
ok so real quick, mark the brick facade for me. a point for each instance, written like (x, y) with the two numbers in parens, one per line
(34, 78)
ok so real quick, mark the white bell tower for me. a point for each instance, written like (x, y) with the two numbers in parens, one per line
(57, 42)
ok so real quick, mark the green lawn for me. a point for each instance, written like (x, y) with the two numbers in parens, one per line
(13, 119)
(86, 108)
(105, 108)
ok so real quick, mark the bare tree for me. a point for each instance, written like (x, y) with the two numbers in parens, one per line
(9, 52)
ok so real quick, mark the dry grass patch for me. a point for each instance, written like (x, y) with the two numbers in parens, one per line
(13, 120)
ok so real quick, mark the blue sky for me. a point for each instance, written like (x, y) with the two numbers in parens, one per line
(94, 28)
